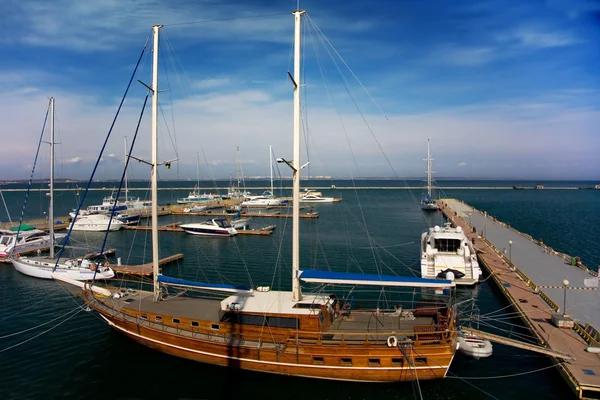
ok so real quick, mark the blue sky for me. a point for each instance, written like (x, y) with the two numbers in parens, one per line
(503, 89)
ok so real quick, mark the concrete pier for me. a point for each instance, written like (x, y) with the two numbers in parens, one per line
(531, 275)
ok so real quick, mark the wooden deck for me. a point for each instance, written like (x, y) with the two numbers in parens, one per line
(176, 228)
(535, 307)
(144, 269)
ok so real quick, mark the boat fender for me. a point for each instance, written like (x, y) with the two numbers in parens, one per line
(392, 341)
(17, 255)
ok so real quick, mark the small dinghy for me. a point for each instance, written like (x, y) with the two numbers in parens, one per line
(474, 346)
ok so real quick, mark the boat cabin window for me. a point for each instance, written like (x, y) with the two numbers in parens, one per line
(223, 223)
(420, 360)
(318, 360)
(397, 362)
(307, 305)
(447, 245)
(215, 327)
(195, 323)
(158, 318)
(176, 320)
(143, 316)
(260, 320)
(6, 240)
(374, 362)
(346, 362)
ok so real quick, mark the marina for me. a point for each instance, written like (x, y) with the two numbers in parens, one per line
(519, 273)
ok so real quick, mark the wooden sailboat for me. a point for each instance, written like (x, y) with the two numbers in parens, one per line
(283, 332)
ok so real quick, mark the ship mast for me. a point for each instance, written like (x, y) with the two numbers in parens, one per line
(125, 147)
(154, 164)
(271, 170)
(51, 206)
(296, 290)
(428, 172)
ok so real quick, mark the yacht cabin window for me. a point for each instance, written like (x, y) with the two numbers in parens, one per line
(447, 245)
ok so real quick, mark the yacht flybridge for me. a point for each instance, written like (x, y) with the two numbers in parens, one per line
(447, 253)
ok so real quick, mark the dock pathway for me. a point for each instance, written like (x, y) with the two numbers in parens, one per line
(517, 273)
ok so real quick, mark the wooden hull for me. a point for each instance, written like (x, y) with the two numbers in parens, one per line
(313, 359)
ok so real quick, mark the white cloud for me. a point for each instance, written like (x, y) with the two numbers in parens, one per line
(74, 160)
(462, 164)
(533, 37)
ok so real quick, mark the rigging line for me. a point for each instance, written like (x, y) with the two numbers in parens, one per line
(507, 376)
(527, 338)
(31, 177)
(470, 384)
(40, 325)
(87, 188)
(347, 66)
(114, 207)
(225, 19)
(174, 139)
(36, 336)
(6, 208)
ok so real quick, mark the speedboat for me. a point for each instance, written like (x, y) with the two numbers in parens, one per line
(311, 196)
(27, 240)
(96, 223)
(211, 227)
(447, 253)
(195, 208)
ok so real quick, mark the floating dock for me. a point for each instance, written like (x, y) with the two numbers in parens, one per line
(144, 269)
(175, 228)
(530, 275)
(307, 215)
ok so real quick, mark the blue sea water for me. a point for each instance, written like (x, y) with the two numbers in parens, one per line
(61, 351)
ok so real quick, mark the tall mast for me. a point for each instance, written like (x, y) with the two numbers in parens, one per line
(125, 161)
(155, 265)
(198, 172)
(271, 169)
(428, 170)
(296, 291)
(51, 206)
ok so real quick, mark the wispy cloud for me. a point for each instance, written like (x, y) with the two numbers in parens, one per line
(74, 160)
(463, 56)
(532, 37)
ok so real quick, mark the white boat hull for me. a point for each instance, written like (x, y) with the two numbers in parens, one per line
(474, 346)
(43, 269)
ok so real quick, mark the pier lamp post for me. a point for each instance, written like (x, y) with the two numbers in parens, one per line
(510, 251)
(471, 219)
(566, 285)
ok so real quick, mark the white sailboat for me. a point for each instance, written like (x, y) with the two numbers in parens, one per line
(281, 332)
(428, 203)
(267, 199)
(43, 267)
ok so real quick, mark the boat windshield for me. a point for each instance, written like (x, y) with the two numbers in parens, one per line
(223, 223)
(6, 240)
(447, 245)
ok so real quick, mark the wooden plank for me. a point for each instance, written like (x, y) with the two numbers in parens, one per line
(144, 269)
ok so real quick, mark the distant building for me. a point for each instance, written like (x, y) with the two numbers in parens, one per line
(597, 186)
(539, 186)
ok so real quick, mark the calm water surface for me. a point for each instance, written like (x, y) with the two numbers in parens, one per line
(71, 353)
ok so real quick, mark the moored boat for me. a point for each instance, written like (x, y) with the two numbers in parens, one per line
(447, 253)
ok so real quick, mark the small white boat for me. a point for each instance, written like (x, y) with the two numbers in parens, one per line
(28, 240)
(212, 227)
(474, 345)
(96, 223)
(311, 196)
(196, 208)
(264, 200)
(78, 269)
(447, 253)
(240, 223)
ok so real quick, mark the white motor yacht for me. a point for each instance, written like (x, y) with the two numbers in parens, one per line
(312, 196)
(212, 227)
(27, 240)
(96, 223)
(447, 253)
